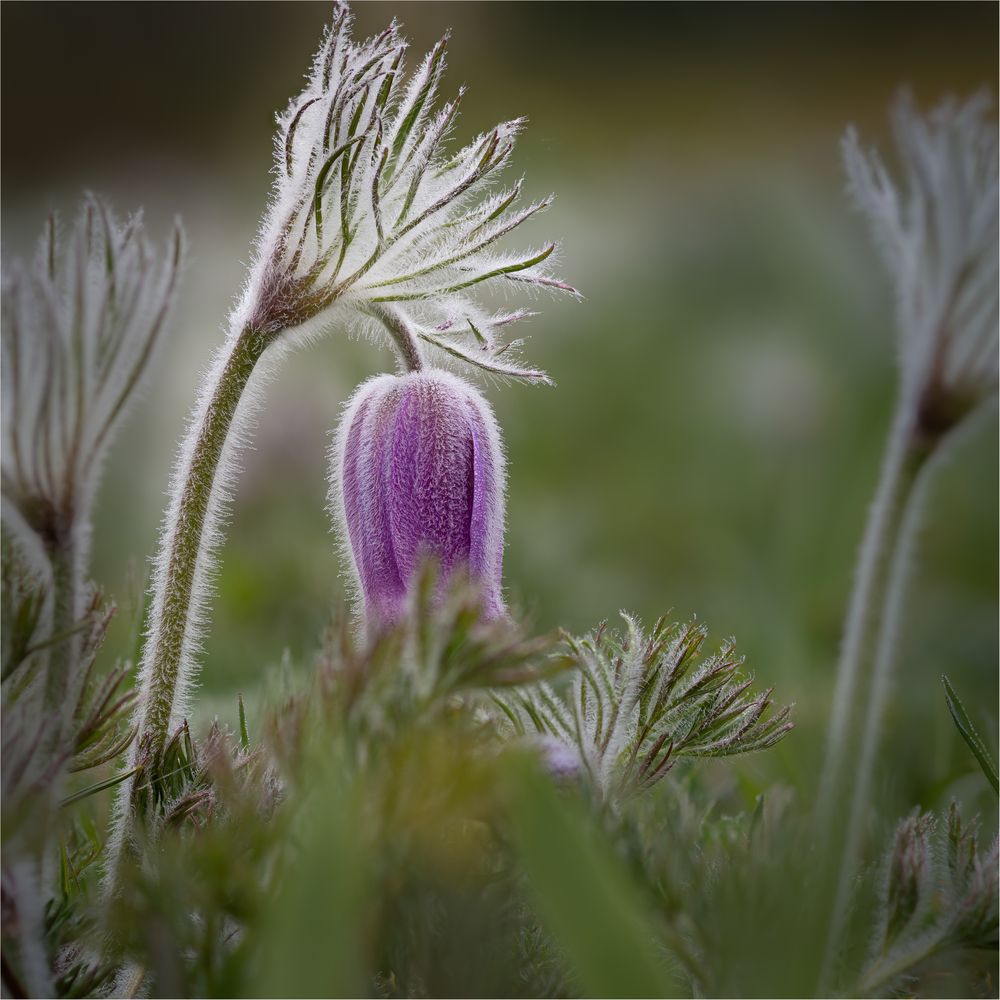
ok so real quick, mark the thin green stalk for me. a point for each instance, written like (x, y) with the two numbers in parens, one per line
(897, 515)
(182, 566)
(405, 340)
(187, 541)
(904, 457)
(885, 660)
(64, 560)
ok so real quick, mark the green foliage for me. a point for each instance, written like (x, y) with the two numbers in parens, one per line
(22, 601)
(969, 733)
(383, 828)
(203, 870)
(385, 799)
(402, 821)
(934, 898)
(72, 915)
(639, 702)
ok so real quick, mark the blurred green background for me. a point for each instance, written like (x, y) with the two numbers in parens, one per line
(723, 391)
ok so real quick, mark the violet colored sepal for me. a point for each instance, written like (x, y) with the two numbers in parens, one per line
(418, 471)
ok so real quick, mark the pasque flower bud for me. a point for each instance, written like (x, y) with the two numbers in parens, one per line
(418, 472)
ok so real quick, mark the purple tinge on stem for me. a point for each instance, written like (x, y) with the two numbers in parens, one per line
(418, 472)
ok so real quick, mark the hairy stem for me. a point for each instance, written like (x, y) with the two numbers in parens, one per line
(885, 660)
(904, 457)
(187, 541)
(182, 566)
(870, 641)
(404, 339)
(67, 577)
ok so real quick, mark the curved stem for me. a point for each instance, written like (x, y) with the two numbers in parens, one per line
(182, 566)
(185, 550)
(405, 340)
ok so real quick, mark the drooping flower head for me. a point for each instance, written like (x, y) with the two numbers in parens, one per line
(371, 215)
(418, 471)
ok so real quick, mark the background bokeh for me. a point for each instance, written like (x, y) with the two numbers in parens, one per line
(723, 391)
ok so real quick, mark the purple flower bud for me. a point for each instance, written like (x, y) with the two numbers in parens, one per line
(560, 761)
(418, 470)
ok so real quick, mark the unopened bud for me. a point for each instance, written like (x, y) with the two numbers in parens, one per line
(419, 473)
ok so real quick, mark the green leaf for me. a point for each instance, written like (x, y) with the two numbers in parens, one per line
(484, 360)
(321, 177)
(244, 732)
(506, 269)
(968, 733)
(584, 897)
(115, 779)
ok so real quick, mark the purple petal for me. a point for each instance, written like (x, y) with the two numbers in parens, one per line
(365, 499)
(421, 473)
(487, 526)
(431, 483)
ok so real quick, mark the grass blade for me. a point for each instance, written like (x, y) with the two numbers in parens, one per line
(968, 732)
(115, 779)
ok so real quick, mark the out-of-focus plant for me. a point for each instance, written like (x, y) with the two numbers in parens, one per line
(81, 325)
(386, 799)
(937, 231)
(931, 898)
(381, 754)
